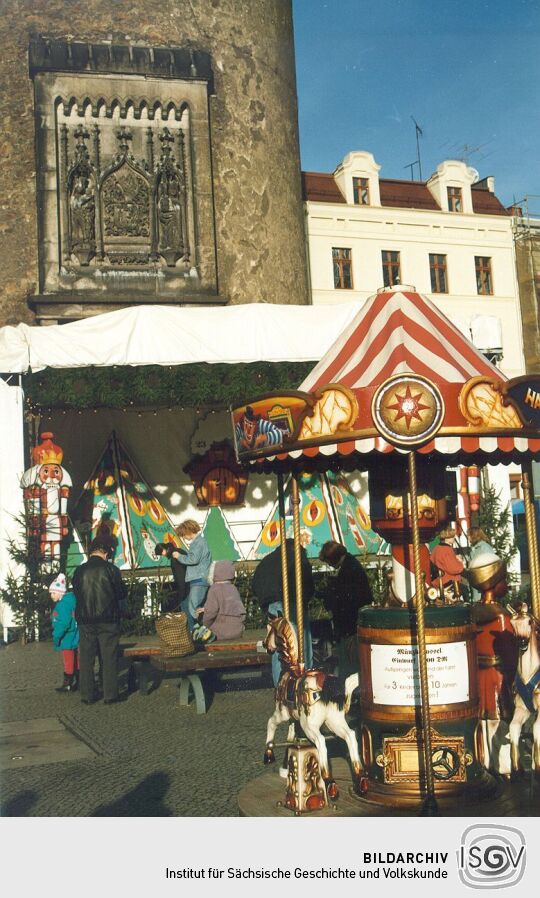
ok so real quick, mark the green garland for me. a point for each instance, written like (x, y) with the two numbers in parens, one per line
(154, 386)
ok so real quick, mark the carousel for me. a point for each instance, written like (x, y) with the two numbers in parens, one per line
(445, 685)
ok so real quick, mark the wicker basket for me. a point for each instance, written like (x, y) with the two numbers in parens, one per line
(174, 635)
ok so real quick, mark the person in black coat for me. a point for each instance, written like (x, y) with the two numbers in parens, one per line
(100, 594)
(267, 585)
(348, 591)
(181, 588)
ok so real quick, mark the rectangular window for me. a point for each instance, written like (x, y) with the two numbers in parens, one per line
(484, 280)
(455, 203)
(390, 267)
(437, 270)
(361, 191)
(342, 259)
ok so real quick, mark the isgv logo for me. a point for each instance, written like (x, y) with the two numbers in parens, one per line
(491, 857)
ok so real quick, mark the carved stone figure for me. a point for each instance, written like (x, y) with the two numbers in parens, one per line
(82, 217)
(170, 225)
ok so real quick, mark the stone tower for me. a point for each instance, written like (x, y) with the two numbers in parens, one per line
(149, 154)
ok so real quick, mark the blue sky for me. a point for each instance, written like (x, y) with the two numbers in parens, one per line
(467, 70)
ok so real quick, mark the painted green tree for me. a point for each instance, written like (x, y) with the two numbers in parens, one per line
(218, 535)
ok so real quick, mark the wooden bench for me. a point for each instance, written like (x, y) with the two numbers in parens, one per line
(192, 670)
(141, 653)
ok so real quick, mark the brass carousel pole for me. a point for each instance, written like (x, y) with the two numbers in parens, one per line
(430, 806)
(532, 539)
(298, 569)
(283, 546)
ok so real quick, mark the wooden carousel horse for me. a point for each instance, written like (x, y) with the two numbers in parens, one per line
(312, 698)
(526, 685)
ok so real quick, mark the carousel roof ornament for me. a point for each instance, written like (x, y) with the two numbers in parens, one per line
(400, 376)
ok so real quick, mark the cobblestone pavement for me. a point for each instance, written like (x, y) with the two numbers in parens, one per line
(152, 757)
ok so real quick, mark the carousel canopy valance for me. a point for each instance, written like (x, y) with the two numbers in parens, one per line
(401, 376)
(160, 335)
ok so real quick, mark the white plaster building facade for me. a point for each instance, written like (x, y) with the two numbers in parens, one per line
(464, 260)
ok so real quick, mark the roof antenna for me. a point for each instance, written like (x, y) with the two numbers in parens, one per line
(411, 166)
(419, 133)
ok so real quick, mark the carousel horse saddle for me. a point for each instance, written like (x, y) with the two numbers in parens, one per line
(300, 691)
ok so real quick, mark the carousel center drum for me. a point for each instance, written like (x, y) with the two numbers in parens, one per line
(391, 730)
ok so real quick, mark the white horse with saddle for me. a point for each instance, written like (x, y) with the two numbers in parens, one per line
(312, 698)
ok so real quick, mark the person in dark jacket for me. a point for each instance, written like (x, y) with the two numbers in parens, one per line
(177, 596)
(348, 591)
(267, 585)
(100, 594)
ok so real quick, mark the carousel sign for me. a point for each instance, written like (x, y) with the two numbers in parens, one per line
(395, 675)
(524, 394)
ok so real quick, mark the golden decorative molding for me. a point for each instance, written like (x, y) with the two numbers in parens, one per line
(482, 404)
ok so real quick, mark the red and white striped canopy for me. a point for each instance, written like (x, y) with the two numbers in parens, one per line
(399, 331)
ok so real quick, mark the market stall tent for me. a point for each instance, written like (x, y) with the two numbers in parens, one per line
(160, 335)
(145, 335)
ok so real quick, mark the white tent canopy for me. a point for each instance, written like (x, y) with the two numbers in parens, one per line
(160, 335)
(148, 335)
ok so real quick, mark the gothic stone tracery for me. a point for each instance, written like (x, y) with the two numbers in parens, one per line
(126, 209)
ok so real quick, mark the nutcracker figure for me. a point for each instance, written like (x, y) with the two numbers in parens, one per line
(46, 487)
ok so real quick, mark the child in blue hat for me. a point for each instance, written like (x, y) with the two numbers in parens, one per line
(65, 632)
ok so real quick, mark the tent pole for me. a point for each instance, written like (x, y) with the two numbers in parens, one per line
(532, 539)
(298, 569)
(283, 546)
(430, 806)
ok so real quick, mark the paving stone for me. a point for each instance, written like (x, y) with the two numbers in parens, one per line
(25, 743)
(149, 756)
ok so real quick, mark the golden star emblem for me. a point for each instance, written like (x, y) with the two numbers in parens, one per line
(408, 406)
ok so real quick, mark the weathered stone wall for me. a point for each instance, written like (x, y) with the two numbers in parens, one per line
(258, 209)
(528, 271)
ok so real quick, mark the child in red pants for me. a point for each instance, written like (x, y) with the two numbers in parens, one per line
(65, 632)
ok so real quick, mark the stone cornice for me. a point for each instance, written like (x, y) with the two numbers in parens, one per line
(180, 63)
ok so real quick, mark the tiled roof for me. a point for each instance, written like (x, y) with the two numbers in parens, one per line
(486, 203)
(320, 187)
(406, 194)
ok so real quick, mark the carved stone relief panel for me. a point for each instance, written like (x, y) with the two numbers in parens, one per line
(125, 205)
(121, 207)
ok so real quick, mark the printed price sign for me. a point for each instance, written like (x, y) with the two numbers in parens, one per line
(395, 674)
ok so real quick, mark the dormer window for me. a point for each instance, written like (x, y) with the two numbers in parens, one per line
(455, 199)
(361, 191)
(357, 177)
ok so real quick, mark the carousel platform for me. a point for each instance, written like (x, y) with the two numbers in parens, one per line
(262, 797)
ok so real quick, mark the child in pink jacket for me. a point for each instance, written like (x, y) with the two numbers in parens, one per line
(223, 610)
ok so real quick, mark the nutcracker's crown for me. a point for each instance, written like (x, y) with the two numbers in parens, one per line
(47, 452)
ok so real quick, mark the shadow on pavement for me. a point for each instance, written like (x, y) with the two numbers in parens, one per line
(19, 805)
(145, 800)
